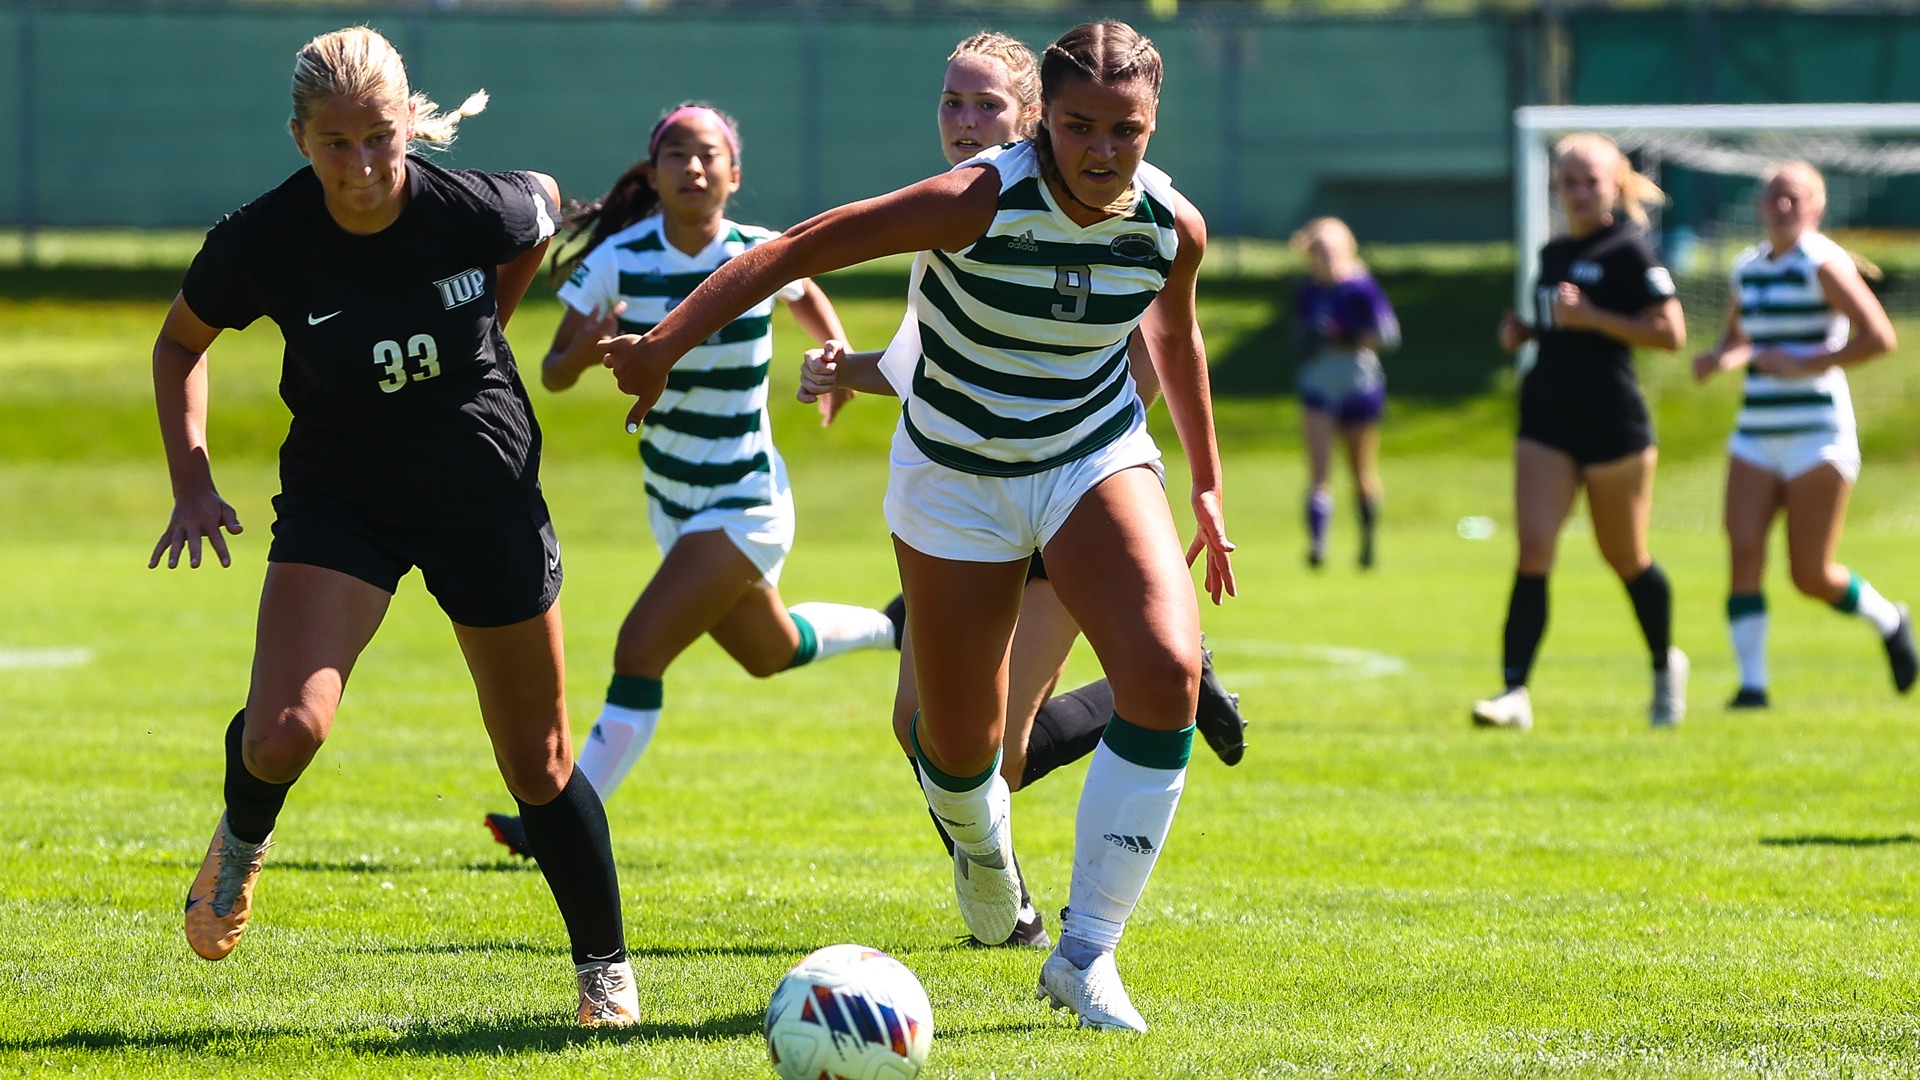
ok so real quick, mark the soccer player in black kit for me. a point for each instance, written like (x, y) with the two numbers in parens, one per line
(1601, 292)
(412, 445)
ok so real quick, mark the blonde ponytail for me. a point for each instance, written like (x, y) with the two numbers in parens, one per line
(1636, 191)
(357, 63)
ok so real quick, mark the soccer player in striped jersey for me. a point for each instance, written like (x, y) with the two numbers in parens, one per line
(991, 95)
(1342, 322)
(1583, 423)
(1021, 428)
(717, 493)
(1799, 316)
(412, 444)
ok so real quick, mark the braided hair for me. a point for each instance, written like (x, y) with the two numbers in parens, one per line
(1107, 54)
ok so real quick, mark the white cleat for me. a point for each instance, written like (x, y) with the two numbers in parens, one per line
(1513, 709)
(1670, 690)
(989, 895)
(608, 996)
(1095, 994)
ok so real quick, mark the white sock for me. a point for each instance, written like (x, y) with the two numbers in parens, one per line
(1876, 609)
(1125, 813)
(618, 739)
(839, 628)
(974, 818)
(1749, 635)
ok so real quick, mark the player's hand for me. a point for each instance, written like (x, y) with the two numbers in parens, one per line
(1212, 538)
(583, 350)
(640, 367)
(1514, 332)
(196, 517)
(820, 379)
(1570, 307)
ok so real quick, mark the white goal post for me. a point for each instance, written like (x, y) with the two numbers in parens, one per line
(1535, 126)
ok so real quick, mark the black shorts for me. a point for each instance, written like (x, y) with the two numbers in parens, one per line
(1591, 428)
(1036, 568)
(494, 571)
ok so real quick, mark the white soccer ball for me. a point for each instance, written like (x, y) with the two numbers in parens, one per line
(851, 1012)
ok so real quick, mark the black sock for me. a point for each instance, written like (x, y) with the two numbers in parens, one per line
(1369, 516)
(1526, 625)
(945, 837)
(1067, 728)
(253, 805)
(568, 838)
(1652, 600)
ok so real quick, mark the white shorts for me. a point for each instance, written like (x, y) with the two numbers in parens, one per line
(1789, 456)
(955, 515)
(764, 534)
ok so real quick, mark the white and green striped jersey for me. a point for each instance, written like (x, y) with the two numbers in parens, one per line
(707, 444)
(1013, 356)
(1783, 307)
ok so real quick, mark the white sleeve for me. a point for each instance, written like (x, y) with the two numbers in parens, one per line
(793, 290)
(1822, 249)
(593, 284)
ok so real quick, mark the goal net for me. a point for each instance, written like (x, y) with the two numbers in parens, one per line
(1709, 158)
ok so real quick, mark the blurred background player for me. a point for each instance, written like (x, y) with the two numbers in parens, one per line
(717, 494)
(1800, 315)
(1342, 322)
(990, 95)
(1020, 428)
(1600, 293)
(412, 444)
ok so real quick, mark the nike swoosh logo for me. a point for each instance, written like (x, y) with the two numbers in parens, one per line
(311, 321)
(952, 824)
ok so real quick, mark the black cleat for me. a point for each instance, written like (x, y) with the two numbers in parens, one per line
(1029, 932)
(1314, 559)
(1750, 698)
(512, 835)
(1900, 652)
(1366, 553)
(1217, 714)
(896, 613)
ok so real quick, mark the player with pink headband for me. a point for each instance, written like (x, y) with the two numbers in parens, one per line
(717, 491)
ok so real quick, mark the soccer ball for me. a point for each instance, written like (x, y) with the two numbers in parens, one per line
(848, 1012)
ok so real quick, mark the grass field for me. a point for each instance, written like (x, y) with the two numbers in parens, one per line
(1377, 890)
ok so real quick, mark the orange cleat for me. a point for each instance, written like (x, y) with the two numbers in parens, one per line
(220, 900)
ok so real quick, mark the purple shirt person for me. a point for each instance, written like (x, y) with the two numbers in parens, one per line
(1341, 322)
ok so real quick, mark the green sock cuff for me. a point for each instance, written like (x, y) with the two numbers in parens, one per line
(1148, 748)
(809, 646)
(1741, 605)
(1850, 603)
(634, 692)
(941, 779)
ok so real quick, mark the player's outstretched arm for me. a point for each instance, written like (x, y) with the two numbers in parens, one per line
(576, 345)
(947, 211)
(180, 395)
(834, 367)
(1172, 329)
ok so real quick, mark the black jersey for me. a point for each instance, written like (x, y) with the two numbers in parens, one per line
(405, 399)
(1616, 271)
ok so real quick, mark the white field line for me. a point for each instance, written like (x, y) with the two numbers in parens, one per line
(43, 659)
(1239, 663)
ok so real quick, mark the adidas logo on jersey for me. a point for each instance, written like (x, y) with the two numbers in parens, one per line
(461, 287)
(1139, 845)
(1023, 242)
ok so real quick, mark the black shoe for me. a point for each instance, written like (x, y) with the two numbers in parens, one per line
(1366, 552)
(896, 613)
(1217, 714)
(512, 835)
(1029, 932)
(1900, 652)
(1749, 698)
(1314, 559)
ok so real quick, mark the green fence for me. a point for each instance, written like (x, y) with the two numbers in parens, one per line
(158, 115)
(168, 116)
